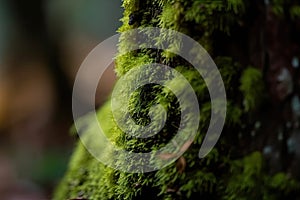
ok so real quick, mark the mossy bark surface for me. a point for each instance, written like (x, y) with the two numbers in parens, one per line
(240, 36)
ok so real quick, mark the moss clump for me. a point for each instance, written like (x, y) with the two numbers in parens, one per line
(226, 172)
(295, 11)
(252, 88)
(249, 181)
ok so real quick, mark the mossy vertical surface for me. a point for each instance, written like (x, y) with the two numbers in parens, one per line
(227, 172)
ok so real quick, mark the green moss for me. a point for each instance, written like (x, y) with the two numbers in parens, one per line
(278, 7)
(170, 17)
(286, 8)
(249, 181)
(252, 87)
(129, 61)
(295, 12)
(220, 175)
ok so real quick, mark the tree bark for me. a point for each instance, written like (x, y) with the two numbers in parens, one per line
(256, 47)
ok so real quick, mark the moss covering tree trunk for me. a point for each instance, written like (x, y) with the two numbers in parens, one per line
(256, 46)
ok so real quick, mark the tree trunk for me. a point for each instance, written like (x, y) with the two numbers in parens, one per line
(256, 46)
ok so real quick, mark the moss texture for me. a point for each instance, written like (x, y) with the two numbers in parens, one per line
(227, 172)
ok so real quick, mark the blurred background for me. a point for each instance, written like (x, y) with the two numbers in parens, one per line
(42, 44)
